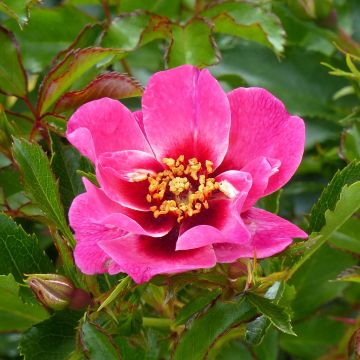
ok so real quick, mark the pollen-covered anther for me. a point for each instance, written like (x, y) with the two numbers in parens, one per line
(209, 166)
(178, 185)
(183, 189)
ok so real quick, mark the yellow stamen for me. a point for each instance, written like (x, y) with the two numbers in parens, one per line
(183, 189)
(209, 166)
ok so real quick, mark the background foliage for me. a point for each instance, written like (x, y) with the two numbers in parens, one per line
(56, 55)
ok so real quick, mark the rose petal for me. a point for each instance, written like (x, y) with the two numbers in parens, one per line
(220, 223)
(261, 169)
(105, 125)
(261, 126)
(199, 236)
(119, 174)
(227, 253)
(144, 257)
(271, 234)
(94, 217)
(185, 111)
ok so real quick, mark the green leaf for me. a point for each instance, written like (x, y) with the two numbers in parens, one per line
(348, 203)
(52, 339)
(269, 347)
(307, 34)
(230, 350)
(96, 344)
(313, 280)
(248, 21)
(13, 80)
(14, 313)
(39, 46)
(90, 176)
(87, 37)
(57, 123)
(162, 7)
(9, 345)
(10, 186)
(257, 329)
(6, 131)
(276, 314)
(192, 44)
(130, 352)
(312, 95)
(65, 162)
(196, 341)
(350, 142)
(18, 9)
(122, 286)
(332, 193)
(271, 202)
(131, 323)
(347, 236)
(64, 74)
(40, 182)
(112, 85)
(20, 253)
(129, 31)
(316, 336)
(196, 305)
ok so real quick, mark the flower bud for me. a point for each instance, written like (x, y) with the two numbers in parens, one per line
(52, 290)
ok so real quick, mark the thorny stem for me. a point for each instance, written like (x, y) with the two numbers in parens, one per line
(37, 122)
(107, 12)
(27, 118)
(65, 255)
(198, 7)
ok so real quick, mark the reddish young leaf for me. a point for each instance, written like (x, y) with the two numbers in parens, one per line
(64, 74)
(112, 85)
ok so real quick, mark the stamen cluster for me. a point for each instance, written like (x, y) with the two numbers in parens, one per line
(182, 189)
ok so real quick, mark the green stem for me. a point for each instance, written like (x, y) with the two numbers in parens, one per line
(159, 323)
(66, 256)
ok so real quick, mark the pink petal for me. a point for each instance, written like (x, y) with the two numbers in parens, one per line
(271, 234)
(185, 111)
(261, 126)
(139, 119)
(105, 125)
(94, 217)
(95, 209)
(235, 183)
(199, 236)
(118, 173)
(144, 257)
(223, 216)
(90, 258)
(261, 169)
(227, 253)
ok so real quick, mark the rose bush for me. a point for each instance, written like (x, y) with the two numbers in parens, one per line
(180, 178)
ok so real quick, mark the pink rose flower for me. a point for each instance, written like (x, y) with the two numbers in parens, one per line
(178, 179)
